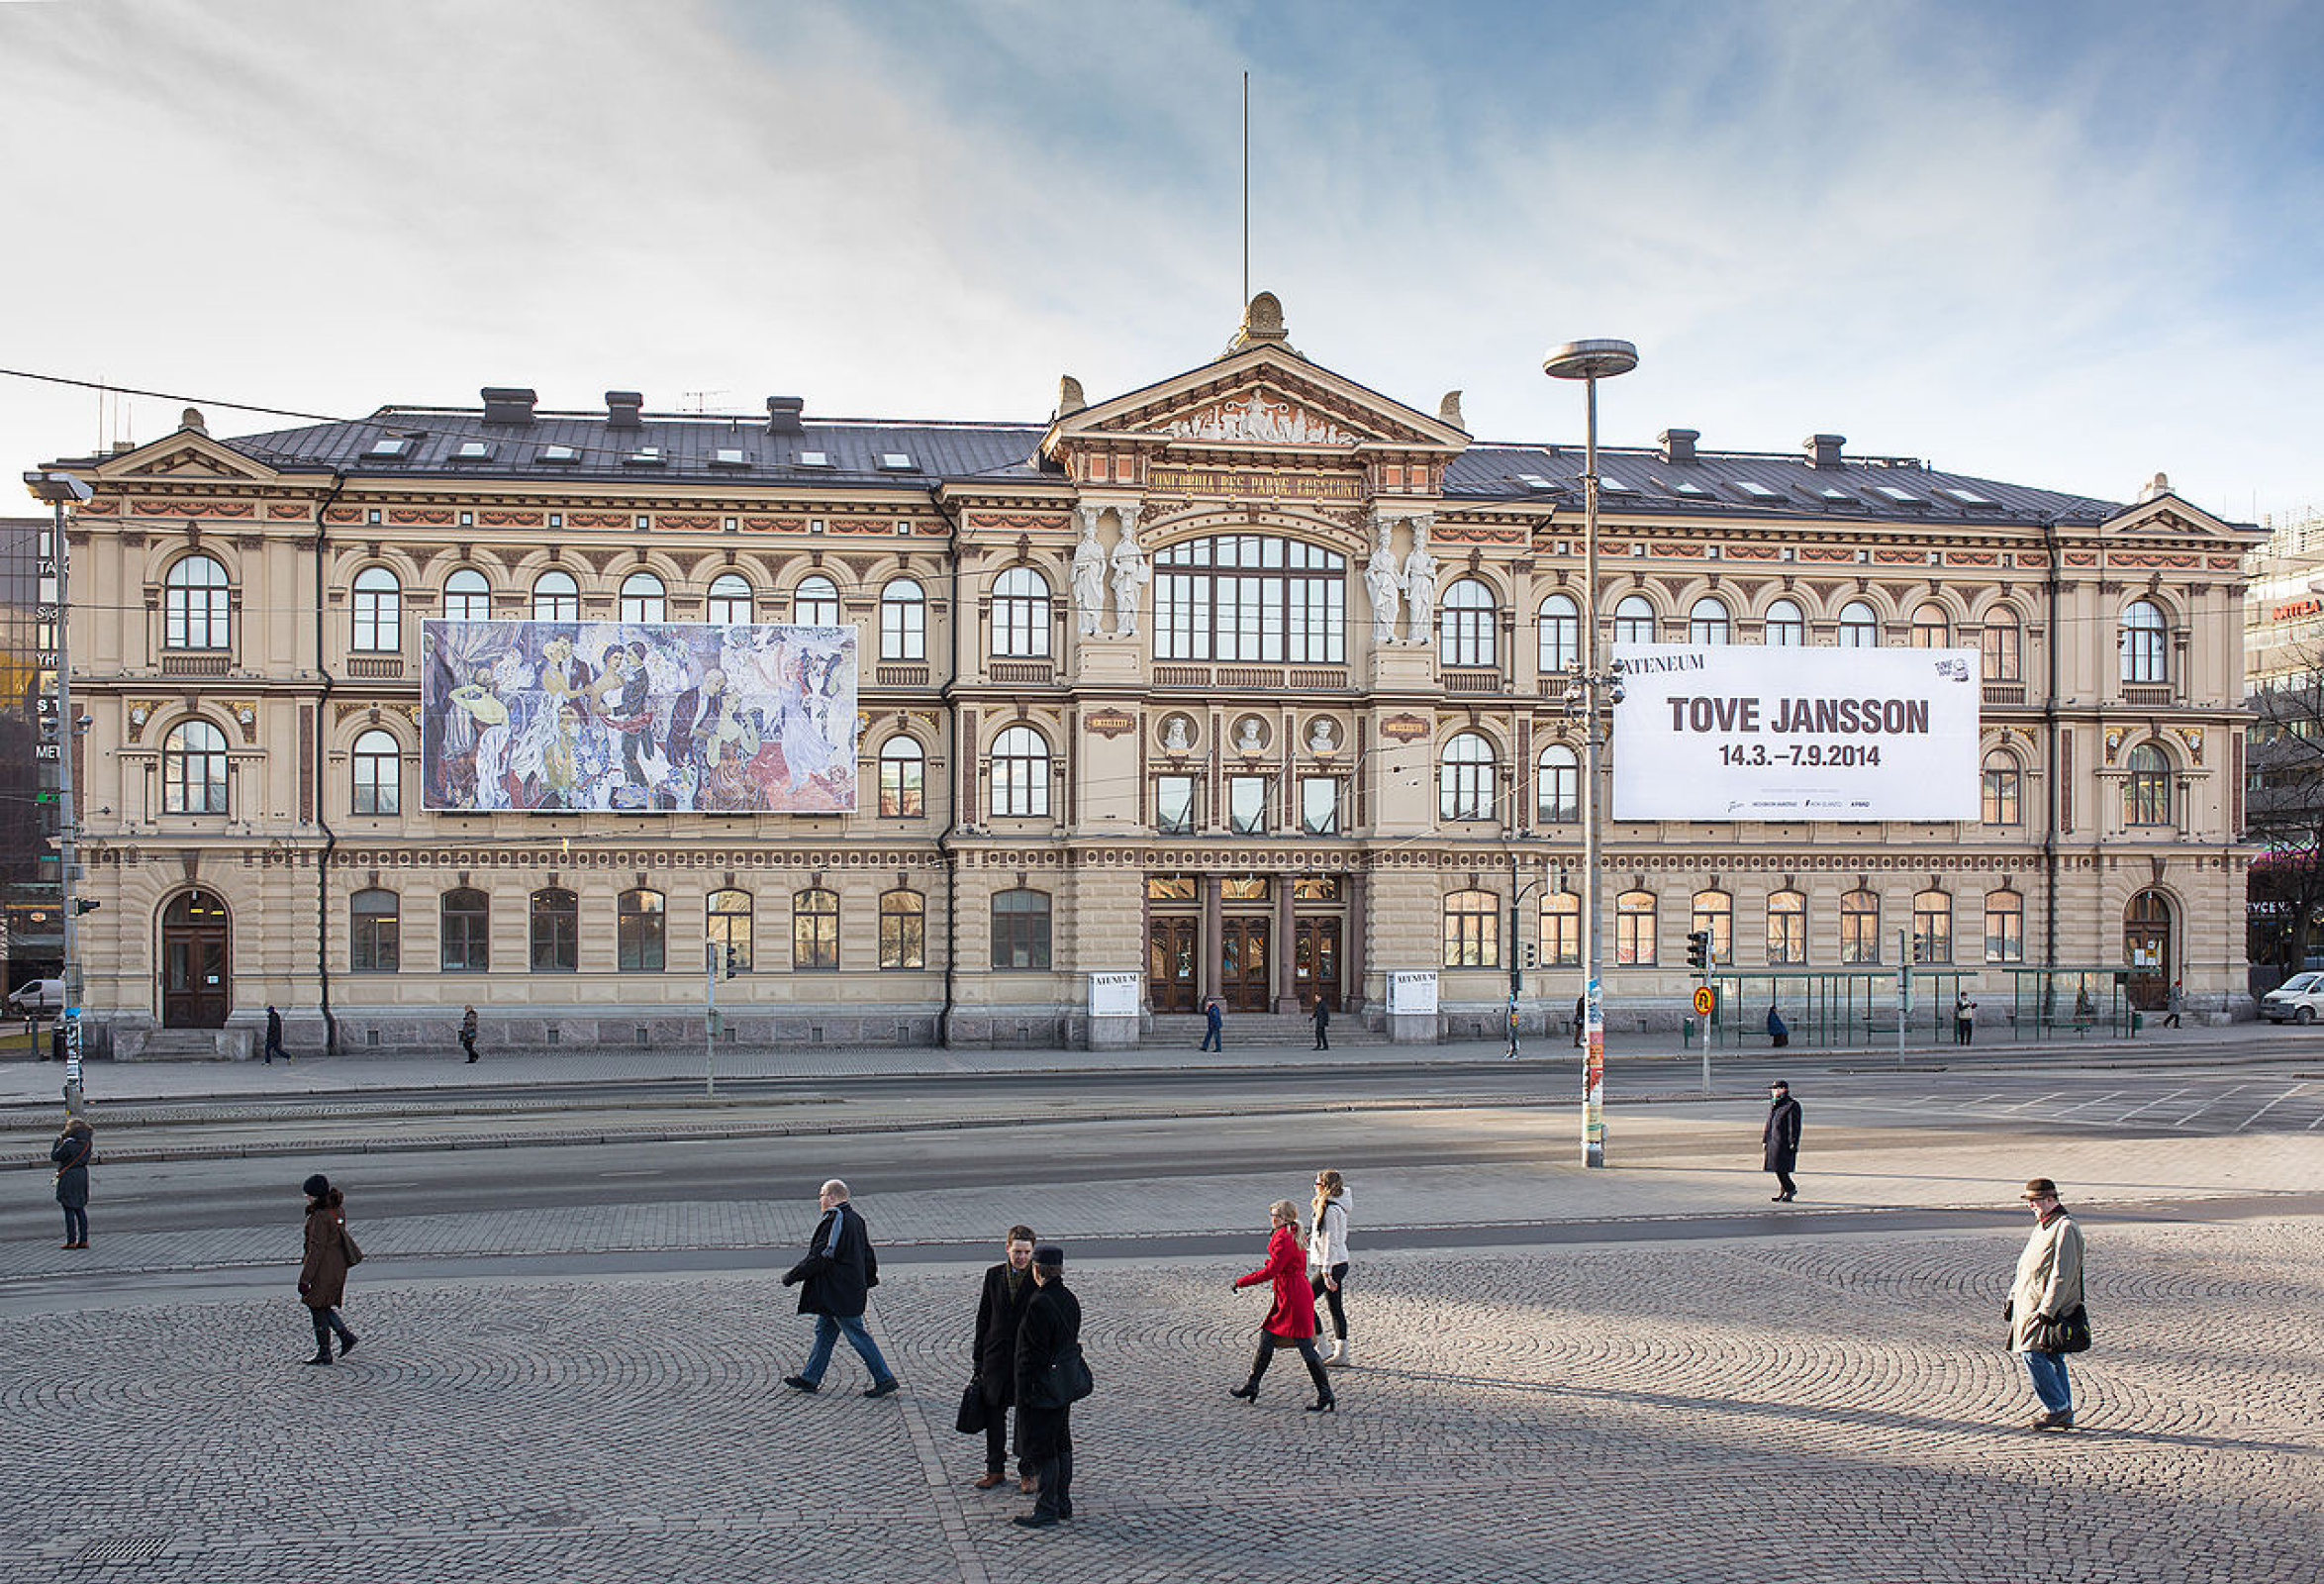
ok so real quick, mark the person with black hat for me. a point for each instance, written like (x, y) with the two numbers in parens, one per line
(1009, 1289)
(1780, 1139)
(1050, 1329)
(322, 1274)
(2046, 1290)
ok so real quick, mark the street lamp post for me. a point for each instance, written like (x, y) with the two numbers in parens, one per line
(1591, 361)
(61, 490)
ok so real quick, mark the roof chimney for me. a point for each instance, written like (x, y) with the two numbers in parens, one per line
(505, 404)
(1677, 444)
(1824, 451)
(783, 415)
(191, 419)
(621, 409)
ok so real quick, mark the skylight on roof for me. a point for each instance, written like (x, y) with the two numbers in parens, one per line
(388, 449)
(729, 457)
(1758, 491)
(560, 454)
(474, 451)
(898, 462)
(1902, 497)
(814, 459)
(1692, 490)
(1837, 497)
(644, 457)
(1613, 486)
(1966, 497)
(1534, 481)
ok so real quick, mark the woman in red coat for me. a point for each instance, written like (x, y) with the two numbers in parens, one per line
(1292, 1322)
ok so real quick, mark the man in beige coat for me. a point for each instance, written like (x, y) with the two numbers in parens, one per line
(2048, 1287)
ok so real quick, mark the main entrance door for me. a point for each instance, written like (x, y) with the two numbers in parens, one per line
(2146, 947)
(1314, 961)
(1173, 955)
(1242, 965)
(197, 987)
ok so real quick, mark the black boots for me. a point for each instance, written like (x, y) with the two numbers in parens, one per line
(1324, 1402)
(1248, 1390)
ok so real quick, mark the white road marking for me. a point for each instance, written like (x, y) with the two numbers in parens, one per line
(2269, 1105)
(2101, 1100)
(2052, 1095)
(629, 1174)
(2208, 1104)
(2152, 1104)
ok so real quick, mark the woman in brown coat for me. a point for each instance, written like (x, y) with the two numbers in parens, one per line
(322, 1275)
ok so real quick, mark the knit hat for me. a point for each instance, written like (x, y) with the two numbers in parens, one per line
(316, 1187)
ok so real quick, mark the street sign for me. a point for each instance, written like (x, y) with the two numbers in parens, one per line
(1705, 1000)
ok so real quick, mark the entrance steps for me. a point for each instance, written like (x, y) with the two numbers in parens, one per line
(185, 1044)
(1273, 1031)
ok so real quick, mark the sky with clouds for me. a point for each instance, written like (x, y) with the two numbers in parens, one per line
(2065, 244)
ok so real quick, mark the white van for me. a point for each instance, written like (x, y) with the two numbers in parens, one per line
(37, 998)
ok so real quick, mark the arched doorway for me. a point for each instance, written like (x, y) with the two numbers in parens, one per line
(197, 986)
(2146, 947)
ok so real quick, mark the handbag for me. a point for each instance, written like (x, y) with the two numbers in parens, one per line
(2069, 1333)
(972, 1417)
(1065, 1382)
(346, 1243)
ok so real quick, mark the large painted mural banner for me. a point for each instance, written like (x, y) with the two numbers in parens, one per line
(636, 718)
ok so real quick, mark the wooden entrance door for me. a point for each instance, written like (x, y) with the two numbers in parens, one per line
(1244, 964)
(197, 986)
(1314, 961)
(1172, 960)
(2146, 947)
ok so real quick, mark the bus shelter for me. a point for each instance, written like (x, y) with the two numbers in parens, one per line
(2047, 1002)
(1834, 1008)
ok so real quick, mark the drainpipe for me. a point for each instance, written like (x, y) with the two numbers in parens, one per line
(339, 482)
(2055, 589)
(951, 805)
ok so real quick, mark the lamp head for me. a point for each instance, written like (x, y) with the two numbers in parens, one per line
(1590, 359)
(57, 489)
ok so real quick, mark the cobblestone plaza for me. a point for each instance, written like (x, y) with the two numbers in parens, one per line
(1620, 1410)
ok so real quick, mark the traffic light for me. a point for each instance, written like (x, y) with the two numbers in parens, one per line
(1699, 949)
(84, 905)
(733, 962)
(1532, 954)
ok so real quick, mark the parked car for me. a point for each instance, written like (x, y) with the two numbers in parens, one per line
(43, 998)
(2300, 998)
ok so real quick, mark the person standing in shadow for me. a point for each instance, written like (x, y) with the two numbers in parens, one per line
(1780, 1139)
(1050, 1329)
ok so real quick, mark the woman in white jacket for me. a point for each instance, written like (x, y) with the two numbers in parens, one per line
(1327, 1258)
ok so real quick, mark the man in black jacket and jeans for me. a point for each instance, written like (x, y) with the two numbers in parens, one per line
(1045, 1434)
(835, 1281)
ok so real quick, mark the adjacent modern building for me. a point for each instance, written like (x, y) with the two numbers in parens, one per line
(1251, 682)
(34, 936)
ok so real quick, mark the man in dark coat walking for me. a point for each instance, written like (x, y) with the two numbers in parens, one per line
(1009, 1290)
(1051, 1327)
(1322, 1025)
(274, 1037)
(1213, 1025)
(1781, 1139)
(468, 1032)
(835, 1281)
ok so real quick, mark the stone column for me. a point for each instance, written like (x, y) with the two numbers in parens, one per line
(1287, 992)
(1214, 936)
(1351, 950)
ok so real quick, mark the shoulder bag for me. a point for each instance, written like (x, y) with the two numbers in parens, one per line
(346, 1243)
(1065, 1382)
(2069, 1333)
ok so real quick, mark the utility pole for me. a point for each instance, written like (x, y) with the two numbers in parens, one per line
(59, 490)
(709, 1020)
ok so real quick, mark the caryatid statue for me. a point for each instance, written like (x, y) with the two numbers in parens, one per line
(1380, 581)
(1420, 583)
(1131, 575)
(1089, 575)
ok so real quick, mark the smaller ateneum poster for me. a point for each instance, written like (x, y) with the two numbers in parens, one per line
(638, 718)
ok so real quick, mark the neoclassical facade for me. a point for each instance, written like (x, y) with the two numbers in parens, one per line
(1251, 682)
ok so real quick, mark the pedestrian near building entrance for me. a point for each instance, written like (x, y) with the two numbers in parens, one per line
(71, 1153)
(2175, 1004)
(1290, 1322)
(835, 1283)
(1049, 1333)
(1213, 1026)
(274, 1037)
(2044, 1296)
(1322, 1025)
(322, 1273)
(1327, 1259)
(468, 1032)
(1008, 1290)
(1964, 1017)
(1780, 1139)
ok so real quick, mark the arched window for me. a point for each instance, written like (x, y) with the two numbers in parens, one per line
(2004, 643)
(644, 599)
(1465, 628)
(1932, 927)
(1634, 921)
(1020, 930)
(556, 930)
(2146, 639)
(373, 945)
(1708, 622)
(901, 766)
(1715, 911)
(1559, 786)
(1787, 928)
(1786, 625)
(2004, 926)
(642, 934)
(1860, 927)
(556, 597)
(1021, 614)
(904, 621)
(379, 773)
(464, 932)
(1859, 626)
(379, 611)
(1250, 597)
(1932, 628)
(194, 605)
(467, 596)
(732, 602)
(2003, 786)
(814, 929)
(1464, 780)
(1472, 929)
(2146, 791)
(193, 770)
(903, 930)
(1020, 772)
(1561, 929)
(727, 916)
(815, 603)
(1634, 620)
(1561, 635)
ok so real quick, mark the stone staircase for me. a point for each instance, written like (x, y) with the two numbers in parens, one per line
(1268, 1031)
(185, 1045)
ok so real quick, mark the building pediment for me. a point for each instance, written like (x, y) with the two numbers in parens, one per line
(185, 456)
(2166, 516)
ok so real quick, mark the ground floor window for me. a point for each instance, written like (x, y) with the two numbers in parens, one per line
(1020, 930)
(903, 930)
(1472, 929)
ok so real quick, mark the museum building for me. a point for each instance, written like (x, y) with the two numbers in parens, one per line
(1251, 682)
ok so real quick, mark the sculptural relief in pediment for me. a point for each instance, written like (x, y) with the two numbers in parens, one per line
(1259, 417)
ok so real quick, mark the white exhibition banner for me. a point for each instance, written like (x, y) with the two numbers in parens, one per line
(1741, 732)
(1411, 990)
(1114, 995)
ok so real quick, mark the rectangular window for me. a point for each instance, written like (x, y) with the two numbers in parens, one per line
(1932, 934)
(1174, 805)
(1021, 930)
(1561, 930)
(1246, 805)
(2005, 932)
(1319, 805)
